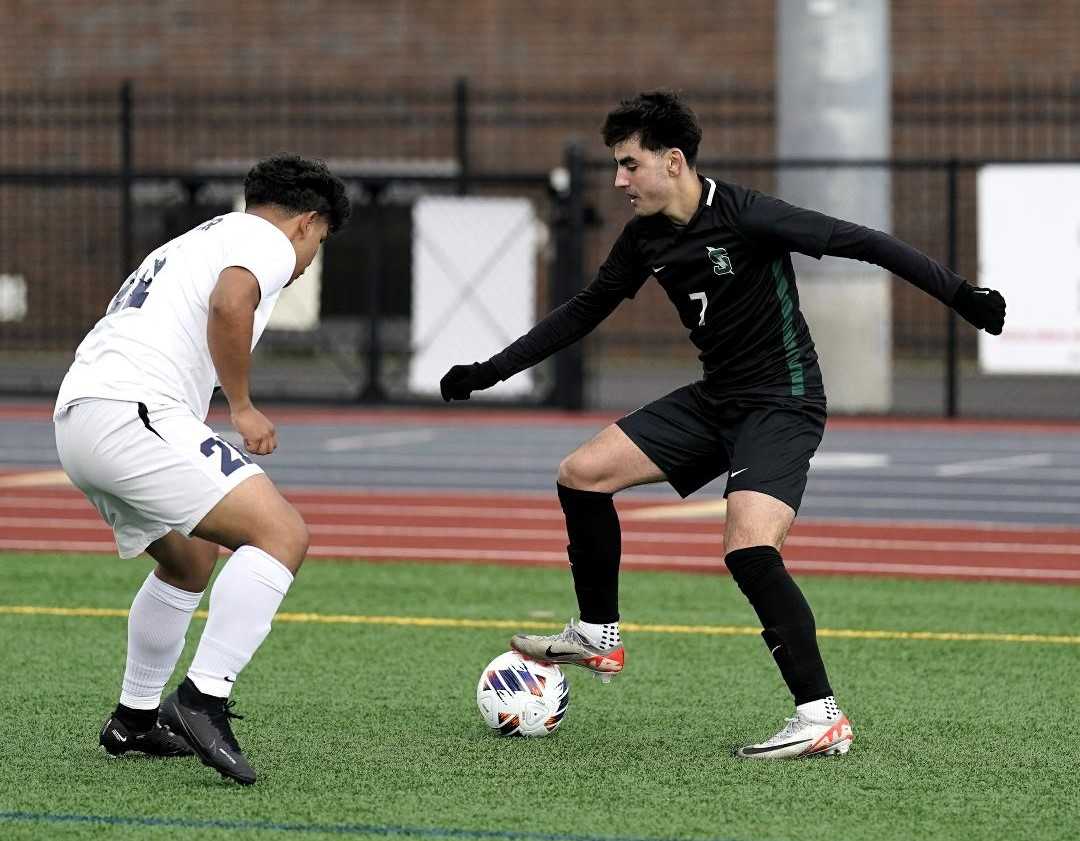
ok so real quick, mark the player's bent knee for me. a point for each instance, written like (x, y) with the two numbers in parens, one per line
(566, 472)
(580, 472)
(285, 537)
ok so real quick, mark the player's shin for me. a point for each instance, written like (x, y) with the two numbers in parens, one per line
(157, 624)
(243, 602)
(595, 548)
(789, 629)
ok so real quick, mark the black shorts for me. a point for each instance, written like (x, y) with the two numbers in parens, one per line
(764, 443)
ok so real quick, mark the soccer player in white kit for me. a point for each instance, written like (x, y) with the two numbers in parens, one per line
(131, 434)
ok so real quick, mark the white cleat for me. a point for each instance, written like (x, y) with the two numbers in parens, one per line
(803, 737)
(570, 647)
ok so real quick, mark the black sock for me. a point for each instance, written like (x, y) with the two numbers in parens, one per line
(190, 695)
(595, 548)
(789, 632)
(140, 721)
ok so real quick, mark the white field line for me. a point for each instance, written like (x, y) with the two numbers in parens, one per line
(638, 535)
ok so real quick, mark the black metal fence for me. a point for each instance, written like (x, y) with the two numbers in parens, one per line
(91, 180)
(77, 214)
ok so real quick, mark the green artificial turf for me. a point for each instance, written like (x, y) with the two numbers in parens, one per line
(371, 730)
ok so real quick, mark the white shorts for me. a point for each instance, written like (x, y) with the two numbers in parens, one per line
(147, 477)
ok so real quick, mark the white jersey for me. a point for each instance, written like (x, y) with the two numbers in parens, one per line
(150, 347)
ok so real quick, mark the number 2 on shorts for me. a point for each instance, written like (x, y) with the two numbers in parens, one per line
(228, 463)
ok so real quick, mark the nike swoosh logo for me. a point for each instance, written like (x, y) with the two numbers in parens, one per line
(116, 733)
(658, 269)
(735, 473)
(981, 291)
(549, 653)
(752, 751)
(229, 679)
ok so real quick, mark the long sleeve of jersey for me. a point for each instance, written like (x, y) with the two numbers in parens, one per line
(872, 246)
(619, 277)
(790, 228)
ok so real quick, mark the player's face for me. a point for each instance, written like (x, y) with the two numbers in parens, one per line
(312, 233)
(643, 177)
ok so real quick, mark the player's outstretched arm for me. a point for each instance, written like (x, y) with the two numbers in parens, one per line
(229, 329)
(561, 327)
(620, 276)
(785, 226)
(983, 308)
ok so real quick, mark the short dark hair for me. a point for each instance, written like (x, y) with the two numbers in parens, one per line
(298, 185)
(659, 119)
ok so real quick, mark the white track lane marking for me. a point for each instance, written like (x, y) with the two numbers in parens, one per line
(559, 559)
(639, 535)
(379, 439)
(35, 479)
(486, 511)
(988, 465)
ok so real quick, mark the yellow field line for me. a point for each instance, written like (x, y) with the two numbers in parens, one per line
(514, 624)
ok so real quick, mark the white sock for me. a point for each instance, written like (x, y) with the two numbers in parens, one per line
(243, 602)
(602, 635)
(157, 625)
(821, 711)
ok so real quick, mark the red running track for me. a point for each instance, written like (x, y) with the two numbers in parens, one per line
(527, 529)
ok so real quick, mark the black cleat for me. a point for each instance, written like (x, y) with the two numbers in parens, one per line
(118, 739)
(204, 721)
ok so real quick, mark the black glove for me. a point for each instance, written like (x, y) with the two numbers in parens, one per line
(461, 380)
(985, 308)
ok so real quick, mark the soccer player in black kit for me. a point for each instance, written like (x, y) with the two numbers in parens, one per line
(723, 255)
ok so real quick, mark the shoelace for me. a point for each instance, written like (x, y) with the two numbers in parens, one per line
(792, 725)
(220, 719)
(570, 634)
(159, 731)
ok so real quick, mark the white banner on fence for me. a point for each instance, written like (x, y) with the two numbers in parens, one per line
(1029, 250)
(474, 286)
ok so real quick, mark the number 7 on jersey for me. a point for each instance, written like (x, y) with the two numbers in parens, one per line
(701, 296)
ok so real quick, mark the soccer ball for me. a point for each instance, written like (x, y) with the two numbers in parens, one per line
(522, 697)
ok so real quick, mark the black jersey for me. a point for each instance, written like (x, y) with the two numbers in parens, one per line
(728, 272)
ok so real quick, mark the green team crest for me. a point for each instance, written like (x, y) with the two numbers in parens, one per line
(721, 261)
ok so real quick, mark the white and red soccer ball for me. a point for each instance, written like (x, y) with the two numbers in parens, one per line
(522, 697)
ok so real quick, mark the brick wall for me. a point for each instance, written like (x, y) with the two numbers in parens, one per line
(535, 46)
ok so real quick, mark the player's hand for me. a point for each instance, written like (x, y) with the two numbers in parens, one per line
(260, 437)
(462, 380)
(985, 308)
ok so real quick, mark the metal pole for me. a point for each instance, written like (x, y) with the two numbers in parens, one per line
(127, 177)
(461, 133)
(373, 391)
(952, 383)
(569, 391)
